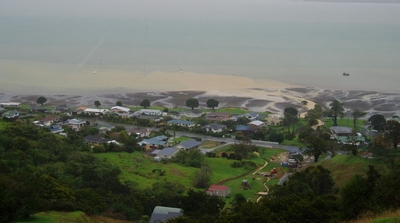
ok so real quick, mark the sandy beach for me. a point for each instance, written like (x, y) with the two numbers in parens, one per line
(173, 89)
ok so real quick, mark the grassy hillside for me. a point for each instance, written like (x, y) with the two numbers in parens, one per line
(344, 167)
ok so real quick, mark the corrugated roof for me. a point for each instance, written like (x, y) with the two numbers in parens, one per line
(218, 187)
(190, 144)
(168, 151)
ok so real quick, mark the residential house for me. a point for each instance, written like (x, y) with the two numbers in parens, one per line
(218, 116)
(192, 113)
(153, 143)
(139, 132)
(95, 111)
(219, 190)
(214, 127)
(120, 110)
(251, 116)
(257, 124)
(189, 144)
(245, 129)
(10, 114)
(79, 110)
(345, 135)
(167, 153)
(56, 129)
(96, 140)
(10, 104)
(62, 108)
(181, 123)
(152, 112)
(50, 119)
(75, 124)
(162, 214)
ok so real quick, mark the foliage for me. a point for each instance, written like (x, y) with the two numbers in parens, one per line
(276, 136)
(335, 111)
(290, 119)
(145, 103)
(316, 144)
(203, 177)
(212, 103)
(314, 114)
(118, 103)
(377, 121)
(41, 100)
(192, 103)
(97, 104)
(392, 132)
(192, 157)
(356, 114)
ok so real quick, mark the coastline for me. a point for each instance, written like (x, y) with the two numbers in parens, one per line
(173, 89)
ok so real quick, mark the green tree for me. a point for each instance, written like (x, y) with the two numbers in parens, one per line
(203, 177)
(192, 103)
(145, 103)
(119, 103)
(316, 145)
(290, 119)
(276, 136)
(314, 114)
(392, 132)
(335, 111)
(377, 121)
(97, 104)
(212, 103)
(41, 100)
(357, 114)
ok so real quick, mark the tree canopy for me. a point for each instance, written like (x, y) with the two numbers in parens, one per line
(41, 100)
(212, 103)
(377, 121)
(335, 111)
(118, 103)
(145, 103)
(357, 114)
(97, 104)
(192, 103)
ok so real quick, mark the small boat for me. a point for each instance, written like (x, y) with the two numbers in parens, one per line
(346, 74)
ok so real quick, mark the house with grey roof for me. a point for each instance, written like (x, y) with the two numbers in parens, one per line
(214, 127)
(162, 214)
(345, 135)
(56, 129)
(154, 143)
(167, 153)
(75, 124)
(189, 144)
(181, 123)
(10, 114)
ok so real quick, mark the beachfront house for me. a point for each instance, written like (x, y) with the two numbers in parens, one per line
(219, 190)
(151, 112)
(10, 104)
(95, 111)
(120, 110)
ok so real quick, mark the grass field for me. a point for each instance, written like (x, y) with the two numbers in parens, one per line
(68, 217)
(344, 167)
(3, 125)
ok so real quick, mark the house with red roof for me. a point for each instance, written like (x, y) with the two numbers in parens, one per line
(219, 190)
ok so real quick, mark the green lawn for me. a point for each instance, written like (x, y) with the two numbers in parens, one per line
(348, 122)
(57, 217)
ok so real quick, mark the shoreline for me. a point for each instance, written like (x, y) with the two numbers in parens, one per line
(173, 89)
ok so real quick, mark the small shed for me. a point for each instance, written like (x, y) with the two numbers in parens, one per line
(219, 190)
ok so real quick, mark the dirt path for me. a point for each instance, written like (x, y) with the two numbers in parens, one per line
(320, 123)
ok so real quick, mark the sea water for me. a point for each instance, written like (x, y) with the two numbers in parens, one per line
(302, 43)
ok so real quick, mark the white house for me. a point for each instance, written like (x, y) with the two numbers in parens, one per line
(95, 111)
(120, 109)
(257, 123)
(152, 112)
(10, 104)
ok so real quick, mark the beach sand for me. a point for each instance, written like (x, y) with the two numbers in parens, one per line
(173, 89)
